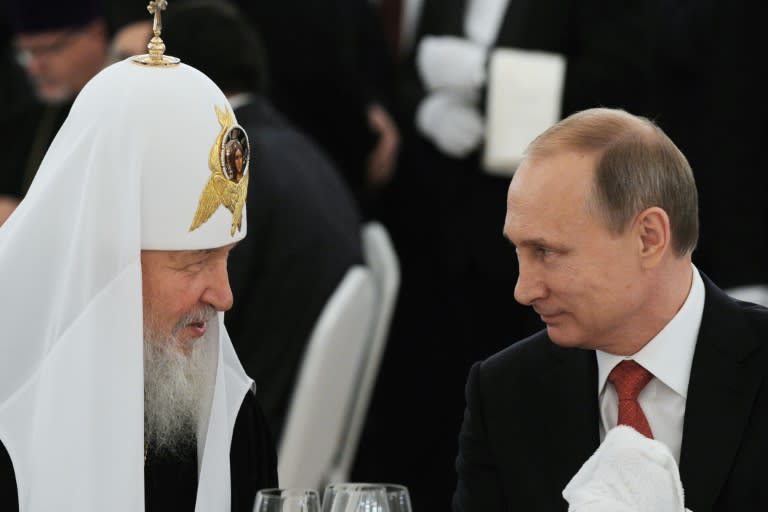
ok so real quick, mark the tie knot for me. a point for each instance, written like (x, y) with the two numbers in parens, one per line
(629, 378)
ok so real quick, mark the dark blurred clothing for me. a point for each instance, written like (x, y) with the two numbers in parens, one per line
(711, 95)
(28, 130)
(303, 235)
(327, 62)
(16, 126)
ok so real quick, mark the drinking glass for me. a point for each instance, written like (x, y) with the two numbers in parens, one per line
(287, 500)
(355, 497)
(398, 498)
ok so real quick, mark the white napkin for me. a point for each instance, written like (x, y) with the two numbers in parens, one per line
(627, 473)
(524, 99)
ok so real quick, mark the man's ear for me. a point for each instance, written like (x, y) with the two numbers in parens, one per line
(654, 235)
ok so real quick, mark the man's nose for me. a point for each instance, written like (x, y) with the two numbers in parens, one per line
(218, 293)
(529, 286)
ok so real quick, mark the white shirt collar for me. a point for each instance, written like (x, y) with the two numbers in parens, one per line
(669, 355)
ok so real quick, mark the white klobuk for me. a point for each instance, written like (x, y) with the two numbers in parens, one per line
(125, 173)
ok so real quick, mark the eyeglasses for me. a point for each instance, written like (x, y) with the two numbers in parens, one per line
(25, 54)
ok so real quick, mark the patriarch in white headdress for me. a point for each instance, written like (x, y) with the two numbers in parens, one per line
(123, 237)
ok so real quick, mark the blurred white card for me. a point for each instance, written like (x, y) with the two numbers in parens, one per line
(524, 99)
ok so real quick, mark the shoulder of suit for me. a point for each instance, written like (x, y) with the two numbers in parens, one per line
(522, 357)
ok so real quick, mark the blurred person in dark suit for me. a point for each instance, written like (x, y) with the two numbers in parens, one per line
(60, 45)
(331, 75)
(711, 97)
(15, 95)
(304, 227)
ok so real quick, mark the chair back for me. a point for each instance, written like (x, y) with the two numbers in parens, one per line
(326, 384)
(382, 260)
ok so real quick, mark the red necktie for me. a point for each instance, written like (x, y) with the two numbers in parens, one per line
(629, 378)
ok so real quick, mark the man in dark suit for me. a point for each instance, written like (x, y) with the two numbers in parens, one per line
(603, 213)
(331, 77)
(303, 221)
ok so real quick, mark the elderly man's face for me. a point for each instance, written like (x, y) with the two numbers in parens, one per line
(584, 281)
(181, 289)
(59, 63)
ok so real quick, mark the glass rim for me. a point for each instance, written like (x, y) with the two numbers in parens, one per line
(385, 485)
(292, 491)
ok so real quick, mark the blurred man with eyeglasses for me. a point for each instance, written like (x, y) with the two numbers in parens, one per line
(60, 46)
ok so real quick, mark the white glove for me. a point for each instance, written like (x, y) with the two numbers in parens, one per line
(448, 62)
(627, 473)
(451, 122)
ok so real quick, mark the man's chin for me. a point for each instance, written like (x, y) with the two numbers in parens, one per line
(562, 338)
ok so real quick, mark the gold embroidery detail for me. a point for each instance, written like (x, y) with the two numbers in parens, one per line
(221, 190)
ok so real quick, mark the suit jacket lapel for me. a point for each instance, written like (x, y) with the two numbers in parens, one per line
(721, 392)
(569, 414)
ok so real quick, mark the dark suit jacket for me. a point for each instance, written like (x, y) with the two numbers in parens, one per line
(303, 235)
(327, 62)
(532, 419)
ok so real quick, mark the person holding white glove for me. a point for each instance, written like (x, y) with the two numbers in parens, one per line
(450, 121)
(450, 62)
(453, 71)
(627, 473)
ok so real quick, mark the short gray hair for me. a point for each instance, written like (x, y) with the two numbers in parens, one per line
(637, 167)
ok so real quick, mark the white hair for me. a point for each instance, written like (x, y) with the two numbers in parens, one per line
(178, 379)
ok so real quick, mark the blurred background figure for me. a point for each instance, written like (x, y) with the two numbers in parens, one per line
(332, 76)
(15, 94)
(711, 100)
(303, 224)
(59, 46)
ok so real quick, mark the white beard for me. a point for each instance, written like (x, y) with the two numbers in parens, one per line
(177, 386)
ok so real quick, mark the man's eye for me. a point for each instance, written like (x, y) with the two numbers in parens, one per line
(195, 265)
(544, 251)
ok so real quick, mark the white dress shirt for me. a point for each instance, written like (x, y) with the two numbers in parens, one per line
(668, 356)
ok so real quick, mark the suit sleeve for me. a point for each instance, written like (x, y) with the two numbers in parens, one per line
(479, 484)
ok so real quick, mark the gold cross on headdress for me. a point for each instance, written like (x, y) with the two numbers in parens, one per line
(156, 47)
(156, 7)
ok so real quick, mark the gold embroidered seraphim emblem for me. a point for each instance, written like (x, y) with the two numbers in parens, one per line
(228, 184)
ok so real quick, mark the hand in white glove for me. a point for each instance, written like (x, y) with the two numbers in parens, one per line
(627, 473)
(451, 122)
(448, 62)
